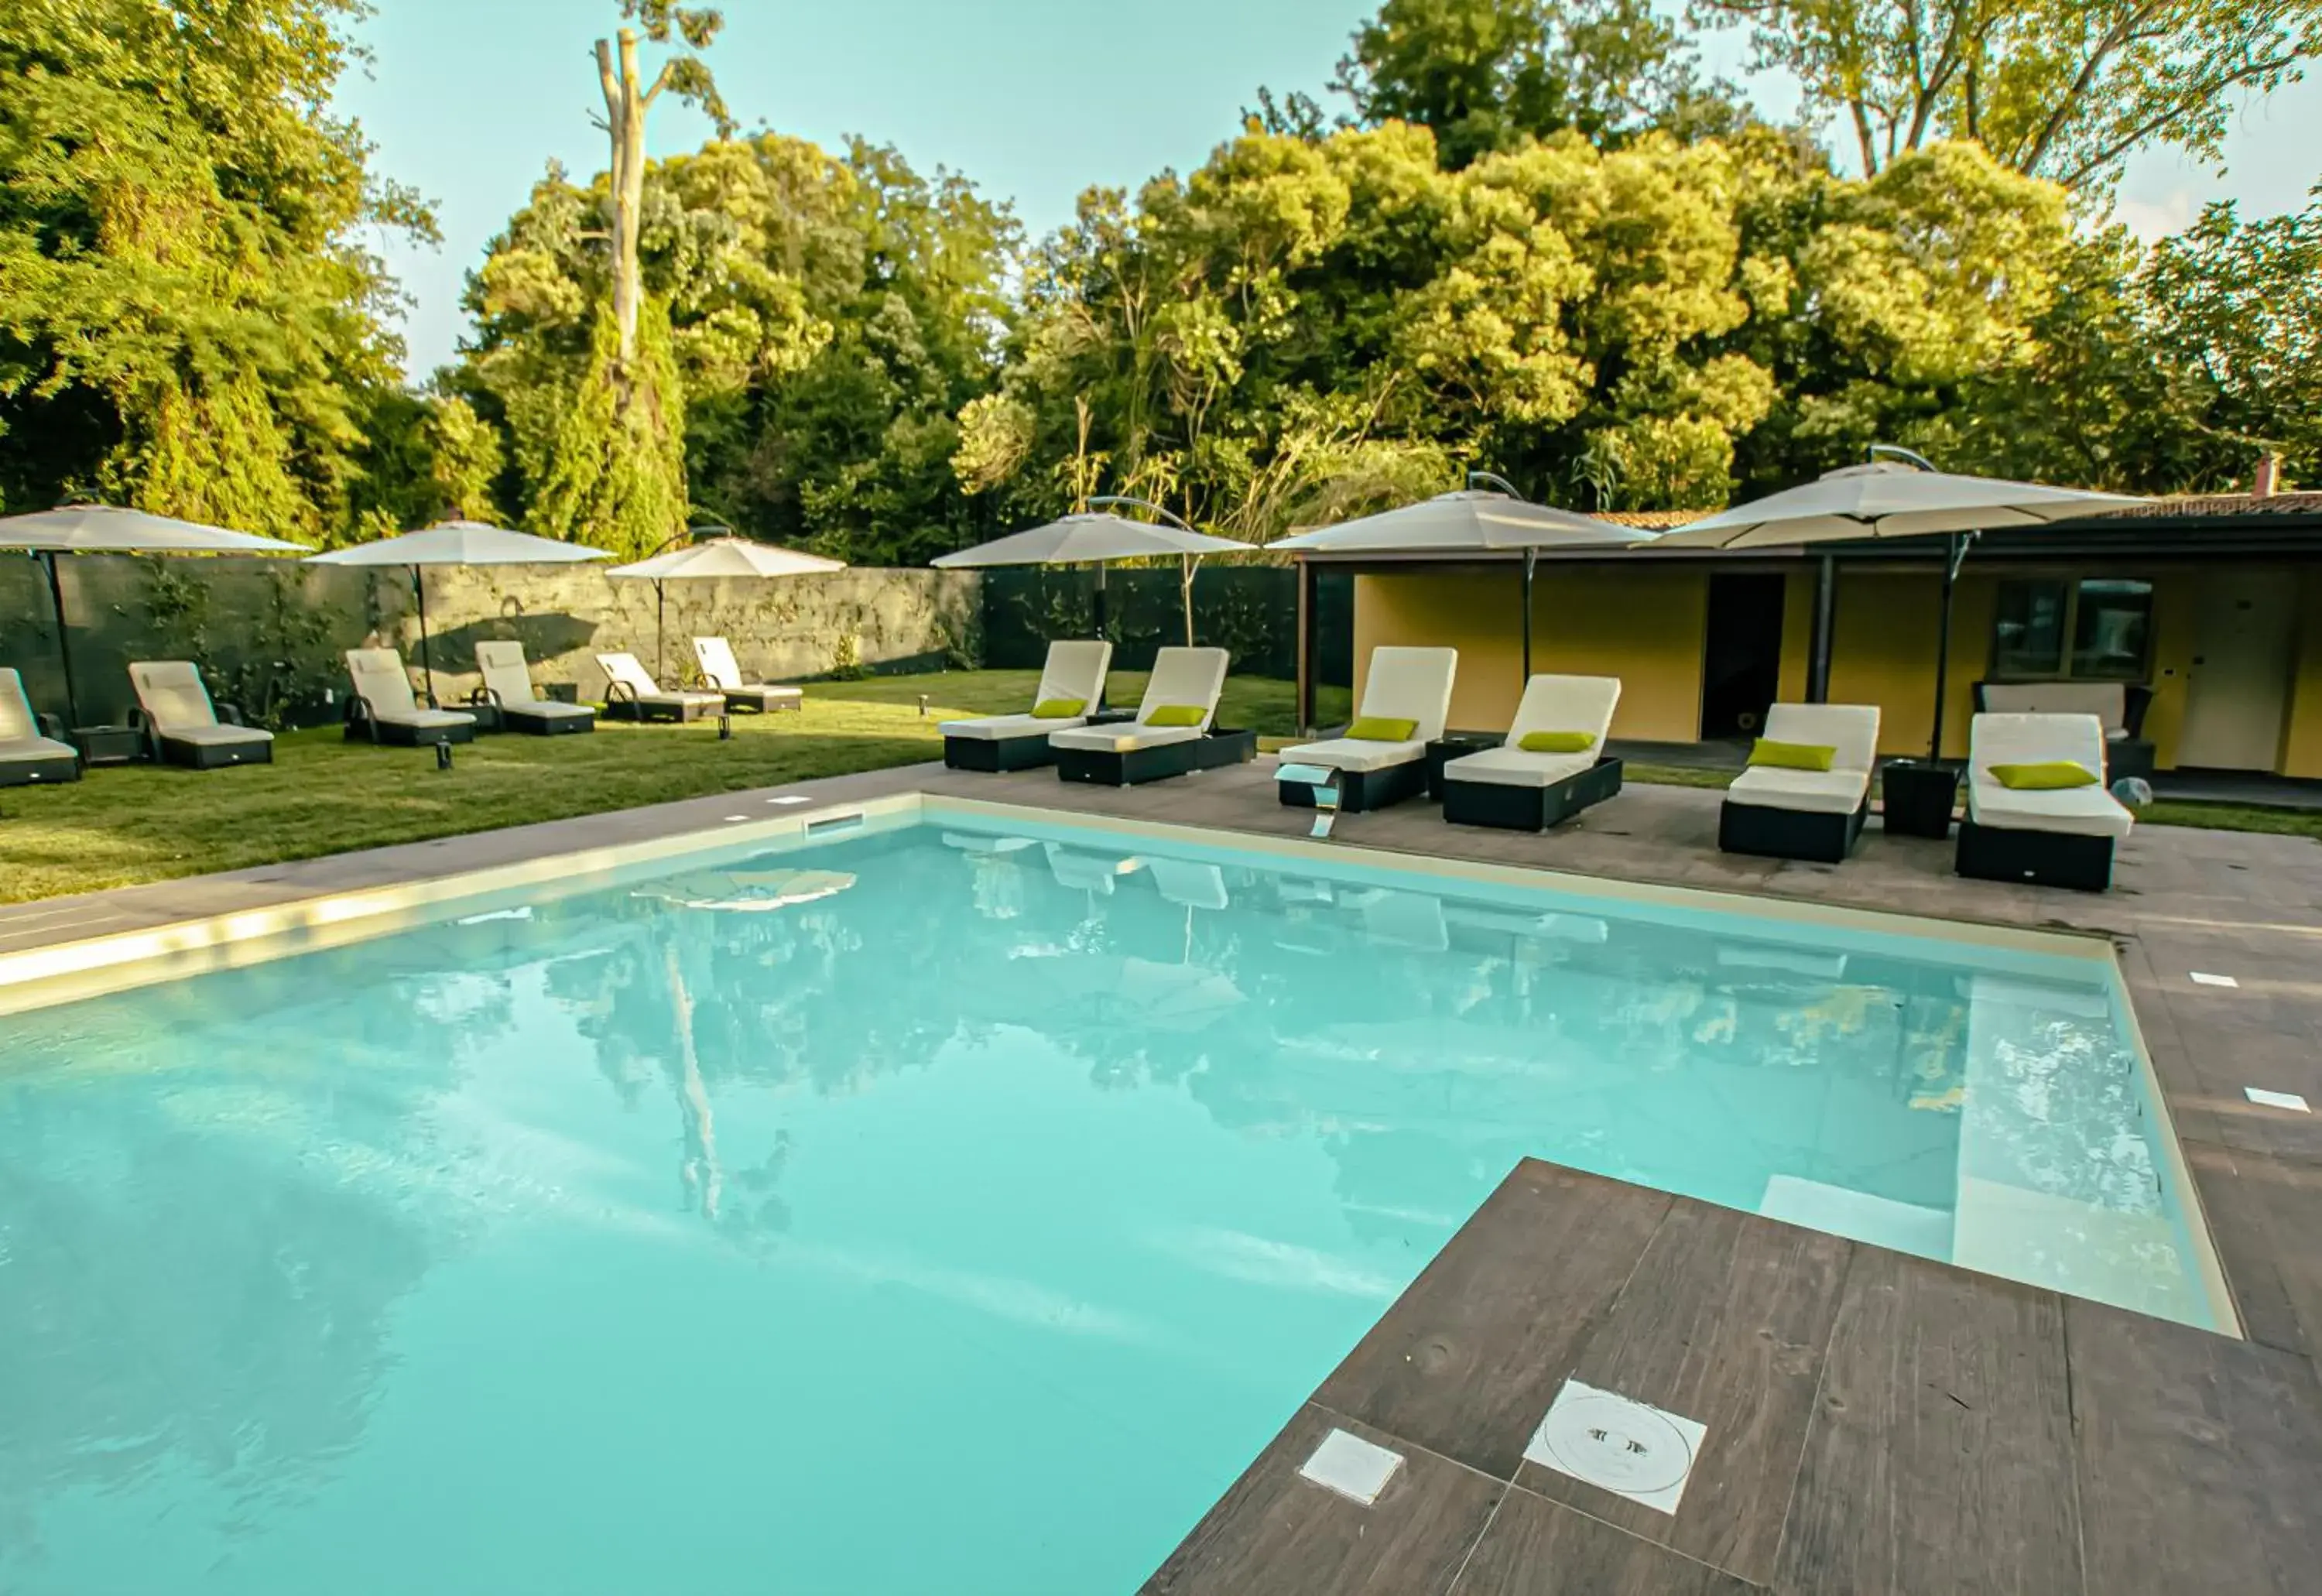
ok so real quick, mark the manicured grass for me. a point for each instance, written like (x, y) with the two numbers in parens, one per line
(123, 824)
(2289, 823)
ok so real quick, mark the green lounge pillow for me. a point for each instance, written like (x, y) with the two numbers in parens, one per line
(1378, 728)
(1791, 756)
(2054, 775)
(1058, 709)
(1177, 714)
(1557, 742)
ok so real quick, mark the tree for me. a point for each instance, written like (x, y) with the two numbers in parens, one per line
(188, 319)
(627, 100)
(1485, 74)
(2065, 89)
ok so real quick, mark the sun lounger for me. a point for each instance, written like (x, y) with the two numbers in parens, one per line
(1184, 688)
(632, 695)
(507, 687)
(1782, 812)
(1073, 675)
(382, 708)
(1531, 790)
(183, 727)
(1407, 692)
(33, 749)
(720, 670)
(2054, 836)
(2121, 705)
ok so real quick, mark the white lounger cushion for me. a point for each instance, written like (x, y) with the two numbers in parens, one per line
(20, 729)
(626, 671)
(1850, 730)
(720, 669)
(172, 694)
(509, 679)
(1000, 728)
(1350, 753)
(1073, 670)
(1180, 676)
(1412, 684)
(2041, 739)
(1549, 704)
(385, 688)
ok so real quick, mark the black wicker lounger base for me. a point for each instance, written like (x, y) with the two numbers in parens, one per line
(619, 707)
(361, 728)
(1528, 808)
(39, 769)
(544, 725)
(1109, 767)
(1359, 790)
(1817, 838)
(212, 756)
(2043, 857)
(995, 754)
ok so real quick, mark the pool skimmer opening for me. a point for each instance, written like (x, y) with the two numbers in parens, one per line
(1629, 1448)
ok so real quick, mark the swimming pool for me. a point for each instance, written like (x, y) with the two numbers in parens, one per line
(955, 1202)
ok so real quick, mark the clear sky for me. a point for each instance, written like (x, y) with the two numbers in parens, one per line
(1034, 100)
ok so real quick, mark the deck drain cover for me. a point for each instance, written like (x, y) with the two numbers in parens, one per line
(1622, 1446)
(1353, 1467)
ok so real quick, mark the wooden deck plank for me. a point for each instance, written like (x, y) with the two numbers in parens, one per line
(1941, 1453)
(1726, 1321)
(1469, 1359)
(1536, 1547)
(2218, 1440)
(1280, 1533)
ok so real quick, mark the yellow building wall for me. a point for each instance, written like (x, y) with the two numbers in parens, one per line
(1644, 625)
(2302, 746)
(1648, 626)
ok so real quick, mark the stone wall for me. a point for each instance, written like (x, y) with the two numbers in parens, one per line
(270, 631)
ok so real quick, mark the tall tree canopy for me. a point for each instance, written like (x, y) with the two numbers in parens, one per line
(188, 320)
(2066, 90)
(825, 316)
(1306, 325)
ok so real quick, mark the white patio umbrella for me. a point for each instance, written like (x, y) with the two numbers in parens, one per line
(1089, 538)
(1472, 520)
(456, 542)
(107, 529)
(1897, 494)
(718, 557)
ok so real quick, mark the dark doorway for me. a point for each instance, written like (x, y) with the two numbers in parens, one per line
(1742, 662)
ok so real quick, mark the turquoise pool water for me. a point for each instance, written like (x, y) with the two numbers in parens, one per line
(952, 1207)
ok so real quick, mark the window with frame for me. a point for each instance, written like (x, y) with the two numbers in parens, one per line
(2045, 628)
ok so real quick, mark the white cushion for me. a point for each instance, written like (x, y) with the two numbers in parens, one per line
(1074, 669)
(1351, 753)
(1567, 704)
(16, 748)
(425, 719)
(1850, 730)
(1000, 728)
(1185, 676)
(215, 735)
(1513, 767)
(1123, 738)
(551, 709)
(2041, 739)
(1812, 792)
(1412, 684)
(172, 694)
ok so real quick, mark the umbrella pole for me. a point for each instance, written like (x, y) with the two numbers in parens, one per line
(1529, 557)
(1954, 556)
(660, 633)
(426, 668)
(1185, 593)
(64, 644)
(1098, 603)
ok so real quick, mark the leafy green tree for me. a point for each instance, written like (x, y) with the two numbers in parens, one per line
(2065, 89)
(828, 318)
(188, 319)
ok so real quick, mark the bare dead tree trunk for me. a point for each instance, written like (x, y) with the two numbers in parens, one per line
(627, 100)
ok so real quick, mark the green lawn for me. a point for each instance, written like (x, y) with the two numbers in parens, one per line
(123, 825)
(140, 823)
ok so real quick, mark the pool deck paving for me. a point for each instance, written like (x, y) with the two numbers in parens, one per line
(1876, 1422)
